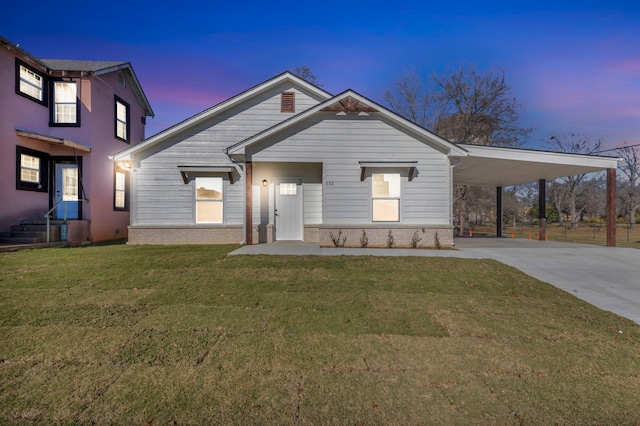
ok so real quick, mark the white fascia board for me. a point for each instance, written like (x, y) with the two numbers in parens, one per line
(216, 109)
(547, 157)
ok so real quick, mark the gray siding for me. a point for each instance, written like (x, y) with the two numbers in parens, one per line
(312, 203)
(161, 197)
(340, 142)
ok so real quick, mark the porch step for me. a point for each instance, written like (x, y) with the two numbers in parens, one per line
(31, 232)
(21, 240)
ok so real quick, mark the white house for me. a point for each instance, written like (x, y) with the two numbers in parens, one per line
(287, 161)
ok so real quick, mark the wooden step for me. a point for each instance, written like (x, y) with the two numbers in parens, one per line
(21, 240)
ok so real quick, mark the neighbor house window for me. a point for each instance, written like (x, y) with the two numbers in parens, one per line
(30, 83)
(385, 192)
(31, 170)
(122, 119)
(209, 201)
(122, 80)
(121, 190)
(288, 102)
(65, 108)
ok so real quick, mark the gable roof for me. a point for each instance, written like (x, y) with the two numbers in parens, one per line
(217, 109)
(99, 68)
(338, 102)
(53, 66)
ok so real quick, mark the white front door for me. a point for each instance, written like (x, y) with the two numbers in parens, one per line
(288, 213)
(66, 190)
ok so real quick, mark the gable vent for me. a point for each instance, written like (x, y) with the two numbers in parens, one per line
(288, 102)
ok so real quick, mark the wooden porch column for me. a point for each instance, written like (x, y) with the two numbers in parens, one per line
(611, 207)
(499, 212)
(248, 175)
(542, 209)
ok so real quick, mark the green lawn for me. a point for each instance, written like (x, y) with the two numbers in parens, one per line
(186, 335)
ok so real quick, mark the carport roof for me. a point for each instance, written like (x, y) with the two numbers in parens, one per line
(495, 166)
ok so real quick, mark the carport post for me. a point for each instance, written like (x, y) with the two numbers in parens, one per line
(611, 207)
(248, 167)
(499, 212)
(542, 209)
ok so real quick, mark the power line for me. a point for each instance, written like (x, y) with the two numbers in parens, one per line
(615, 149)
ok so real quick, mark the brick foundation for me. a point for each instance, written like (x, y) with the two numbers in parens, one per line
(200, 234)
(378, 235)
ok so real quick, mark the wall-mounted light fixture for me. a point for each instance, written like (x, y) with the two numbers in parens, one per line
(264, 182)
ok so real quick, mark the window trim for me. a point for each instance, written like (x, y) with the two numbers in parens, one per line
(119, 100)
(196, 200)
(126, 190)
(288, 102)
(388, 198)
(43, 184)
(52, 108)
(43, 77)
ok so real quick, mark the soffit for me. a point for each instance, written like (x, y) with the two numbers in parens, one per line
(492, 166)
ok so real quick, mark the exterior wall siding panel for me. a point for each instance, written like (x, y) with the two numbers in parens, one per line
(161, 195)
(341, 142)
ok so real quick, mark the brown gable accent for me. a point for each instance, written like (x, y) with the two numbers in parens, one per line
(288, 102)
(349, 104)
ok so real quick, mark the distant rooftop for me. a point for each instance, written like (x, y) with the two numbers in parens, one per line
(72, 65)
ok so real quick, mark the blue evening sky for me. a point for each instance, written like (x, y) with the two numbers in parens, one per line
(574, 65)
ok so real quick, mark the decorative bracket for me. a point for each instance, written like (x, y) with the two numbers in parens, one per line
(349, 104)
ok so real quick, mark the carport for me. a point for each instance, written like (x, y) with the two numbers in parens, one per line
(500, 167)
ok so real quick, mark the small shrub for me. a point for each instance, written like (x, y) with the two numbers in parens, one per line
(436, 241)
(338, 240)
(391, 241)
(364, 240)
(415, 240)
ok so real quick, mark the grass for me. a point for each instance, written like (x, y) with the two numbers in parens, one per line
(586, 233)
(186, 335)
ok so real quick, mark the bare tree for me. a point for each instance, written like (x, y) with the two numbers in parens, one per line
(413, 99)
(557, 192)
(305, 73)
(480, 106)
(630, 184)
(574, 195)
(464, 106)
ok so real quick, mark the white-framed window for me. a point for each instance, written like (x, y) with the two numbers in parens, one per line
(29, 168)
(122, 119)
(30, 83)
(209, 199)
(32, 168)
(385, 194)
(64, 110)
(121, 189)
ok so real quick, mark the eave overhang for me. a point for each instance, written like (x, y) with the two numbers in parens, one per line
(497, 166)
(52, 140)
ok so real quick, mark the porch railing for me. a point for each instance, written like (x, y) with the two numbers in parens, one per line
(48, 214)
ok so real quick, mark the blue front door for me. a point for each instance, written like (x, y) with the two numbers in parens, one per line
(66, 191)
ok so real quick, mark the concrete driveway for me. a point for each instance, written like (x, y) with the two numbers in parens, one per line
(606, 277)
